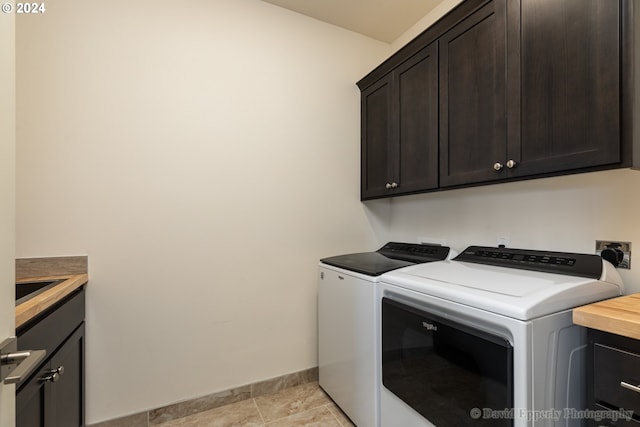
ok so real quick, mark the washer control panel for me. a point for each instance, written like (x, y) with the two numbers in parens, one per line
(414, 252)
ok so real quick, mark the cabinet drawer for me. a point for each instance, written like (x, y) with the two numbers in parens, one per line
(610, 418)
(48, 332)
(612, 369)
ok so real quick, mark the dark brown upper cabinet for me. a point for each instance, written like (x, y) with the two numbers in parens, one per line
(473, 102)
(566, 84)
(524, 89)
(400, 129)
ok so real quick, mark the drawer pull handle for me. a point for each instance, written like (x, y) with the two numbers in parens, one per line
(630, 386)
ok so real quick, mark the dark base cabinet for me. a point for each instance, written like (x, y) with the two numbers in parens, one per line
(613, 380)
(54, 395)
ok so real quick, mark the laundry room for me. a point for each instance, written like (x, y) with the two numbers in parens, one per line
(202, 157)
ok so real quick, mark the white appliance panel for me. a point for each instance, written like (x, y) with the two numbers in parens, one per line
(348, 337)
(520, 294)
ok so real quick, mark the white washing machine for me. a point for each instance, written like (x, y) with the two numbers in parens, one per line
(348, 321)
(488, 338)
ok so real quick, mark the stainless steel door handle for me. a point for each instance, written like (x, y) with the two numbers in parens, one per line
(17, 365)
(27, 362)
(630, 386)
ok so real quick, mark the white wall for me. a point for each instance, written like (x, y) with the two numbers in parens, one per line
(7, 200)
(205, 155)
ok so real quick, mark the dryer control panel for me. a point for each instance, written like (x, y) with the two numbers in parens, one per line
(572, 264)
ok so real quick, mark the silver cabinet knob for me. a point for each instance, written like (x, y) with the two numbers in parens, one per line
(512, 164)
(388, 186)
(497, 166)
(54, 375)
(394, 185)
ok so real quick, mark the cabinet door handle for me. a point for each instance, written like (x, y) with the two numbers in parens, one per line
(54, 375)
(630, 386)
(512, 164)
(390, 186)
(497, 166)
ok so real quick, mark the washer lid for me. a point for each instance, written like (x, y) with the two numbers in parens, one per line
(520, 294)
(369, 263)
(391, 256)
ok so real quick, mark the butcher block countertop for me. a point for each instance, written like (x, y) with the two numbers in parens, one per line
(619, 316)
(71, 269)
(39, 303)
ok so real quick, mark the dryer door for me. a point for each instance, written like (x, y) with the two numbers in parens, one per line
(449, 373)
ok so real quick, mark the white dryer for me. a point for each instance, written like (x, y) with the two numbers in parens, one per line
(488, 338)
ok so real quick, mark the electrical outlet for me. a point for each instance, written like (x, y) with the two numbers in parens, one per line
(625, 247)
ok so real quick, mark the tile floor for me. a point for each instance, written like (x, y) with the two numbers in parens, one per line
(303, 405)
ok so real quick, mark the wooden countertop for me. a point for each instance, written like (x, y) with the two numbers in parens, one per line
(36, 305)
(619, 316)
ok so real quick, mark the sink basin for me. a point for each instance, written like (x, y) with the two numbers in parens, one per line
(27, 290)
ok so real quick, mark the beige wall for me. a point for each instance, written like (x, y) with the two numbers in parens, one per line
(205, 155)
(425, 22)
(7, 199)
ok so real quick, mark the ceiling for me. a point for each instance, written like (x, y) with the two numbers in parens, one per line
(383, 20)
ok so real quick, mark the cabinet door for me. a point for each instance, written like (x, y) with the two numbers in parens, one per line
(473, 97)
(570, 86)
(66, 401)
(416, 83)
(378, 150)
(31, 400)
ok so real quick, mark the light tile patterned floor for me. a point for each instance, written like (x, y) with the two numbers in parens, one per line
(304, 405)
